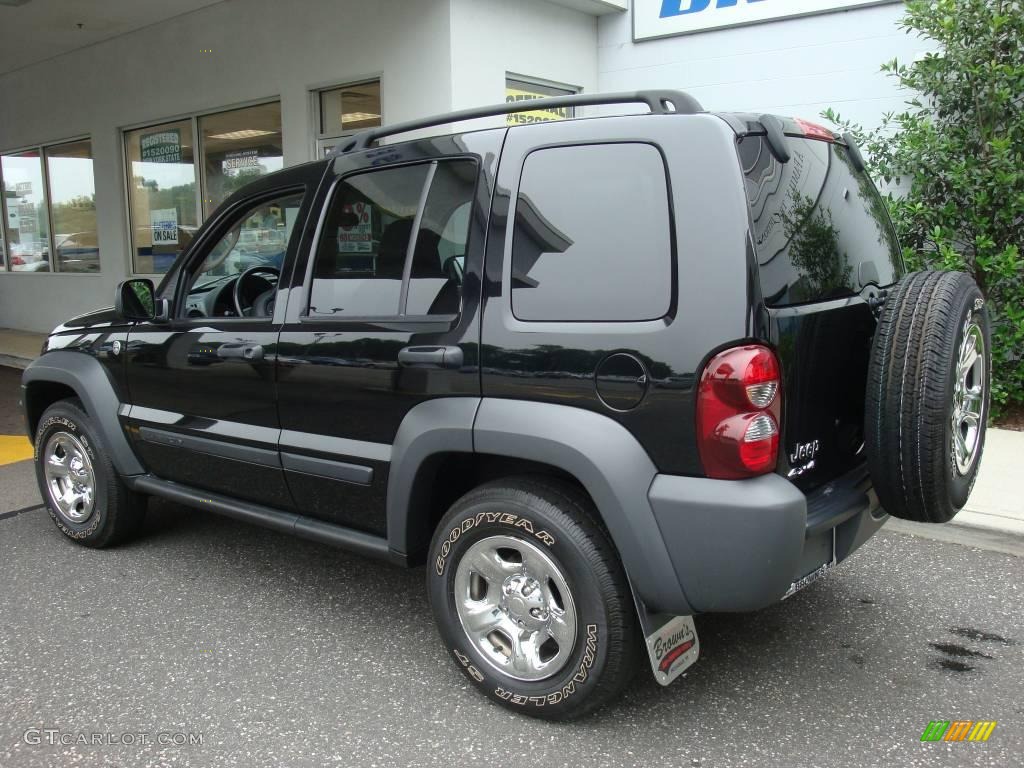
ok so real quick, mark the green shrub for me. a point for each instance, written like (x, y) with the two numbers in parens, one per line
(953, 160)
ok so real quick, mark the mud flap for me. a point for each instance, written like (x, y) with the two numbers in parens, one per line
(672, 644)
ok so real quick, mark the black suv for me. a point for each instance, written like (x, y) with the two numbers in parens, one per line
(599, 375)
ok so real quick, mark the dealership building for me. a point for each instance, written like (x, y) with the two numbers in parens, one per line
(124, 124)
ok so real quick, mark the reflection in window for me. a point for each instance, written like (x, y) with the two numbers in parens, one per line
(259, 238)
(238, 146)
(73, 207)
(821, 231)
(363, 256)
(435, 275)
(161, 194)
(28, 226)
(363, 247)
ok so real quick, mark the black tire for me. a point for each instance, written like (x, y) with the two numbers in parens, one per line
(912, 382)
(556, 518)
(116, 512)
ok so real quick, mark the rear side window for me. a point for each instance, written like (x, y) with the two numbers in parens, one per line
(592, 237)
(381, 255)
(821, 230)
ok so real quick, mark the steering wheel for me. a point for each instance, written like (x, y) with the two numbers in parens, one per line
(262, 305)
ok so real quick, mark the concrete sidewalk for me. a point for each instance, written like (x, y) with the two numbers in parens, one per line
(19, 348)
(997, 501)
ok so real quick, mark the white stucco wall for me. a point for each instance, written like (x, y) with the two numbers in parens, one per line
(533, 38)
(794, 66)
(261, 49)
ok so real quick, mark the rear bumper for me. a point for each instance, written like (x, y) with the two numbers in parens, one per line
(740, 545)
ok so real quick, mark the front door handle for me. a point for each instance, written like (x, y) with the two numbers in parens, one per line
(430, 357)
(249, 352)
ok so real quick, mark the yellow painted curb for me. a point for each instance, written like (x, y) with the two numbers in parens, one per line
(14, 448)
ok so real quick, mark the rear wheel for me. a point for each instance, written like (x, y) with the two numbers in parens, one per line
(928, 396)
(83, 493)
(531, 600)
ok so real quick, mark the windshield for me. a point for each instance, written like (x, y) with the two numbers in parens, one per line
(821, 230)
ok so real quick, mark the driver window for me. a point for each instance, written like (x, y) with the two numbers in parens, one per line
(254, 246)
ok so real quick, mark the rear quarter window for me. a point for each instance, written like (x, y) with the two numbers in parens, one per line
(592, 235)
(821, 230)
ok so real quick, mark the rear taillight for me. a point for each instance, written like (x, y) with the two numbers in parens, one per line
(738, 409)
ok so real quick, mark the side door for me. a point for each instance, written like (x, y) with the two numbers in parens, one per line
(204, 410)
(384, 316)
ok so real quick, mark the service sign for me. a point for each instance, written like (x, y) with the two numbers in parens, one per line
(662, 18)
(243, 158)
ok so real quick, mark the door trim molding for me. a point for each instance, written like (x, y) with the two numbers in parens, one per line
(332, 470)
(309, 442)
(246, 453)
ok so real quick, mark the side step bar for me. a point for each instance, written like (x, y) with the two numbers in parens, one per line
(268, 517)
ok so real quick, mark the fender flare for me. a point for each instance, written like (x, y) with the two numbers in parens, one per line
(598, 451)
(429, 430)
(614, 469)
(92, 384)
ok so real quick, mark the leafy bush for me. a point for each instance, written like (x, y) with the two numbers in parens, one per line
(953, 161)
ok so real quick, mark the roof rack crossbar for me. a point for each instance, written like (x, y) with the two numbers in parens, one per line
(659, 101)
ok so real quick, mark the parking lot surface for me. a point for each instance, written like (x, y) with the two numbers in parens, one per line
(280, 652)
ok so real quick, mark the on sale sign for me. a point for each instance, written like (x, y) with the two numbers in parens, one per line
(164, 223)
(662, 18)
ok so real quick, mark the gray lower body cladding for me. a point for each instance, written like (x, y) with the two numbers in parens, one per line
(738, 545)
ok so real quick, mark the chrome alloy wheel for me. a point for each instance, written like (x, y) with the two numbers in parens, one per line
(70, 479)
(515, 607)
(968, 398)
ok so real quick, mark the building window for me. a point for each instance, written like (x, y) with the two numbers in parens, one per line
(238, 146)
(520, 89)
(345, 110)
(175, 182)
(162, 201)
(592, 237)
(73, 207)
(49, 209)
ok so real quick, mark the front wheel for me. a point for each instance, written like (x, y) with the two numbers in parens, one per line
(531, 600)
(81, 488)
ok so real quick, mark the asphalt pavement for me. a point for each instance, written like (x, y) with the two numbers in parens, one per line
(280, 652)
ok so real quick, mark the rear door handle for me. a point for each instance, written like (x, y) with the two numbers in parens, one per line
(251, 352)
(430, 357)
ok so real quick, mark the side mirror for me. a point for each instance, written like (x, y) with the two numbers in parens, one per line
(136, 300)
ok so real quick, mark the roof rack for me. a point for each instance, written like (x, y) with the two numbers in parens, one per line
(659, 101)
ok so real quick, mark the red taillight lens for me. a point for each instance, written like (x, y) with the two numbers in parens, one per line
(738, 408)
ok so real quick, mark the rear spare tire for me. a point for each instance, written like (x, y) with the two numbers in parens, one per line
(928, 395)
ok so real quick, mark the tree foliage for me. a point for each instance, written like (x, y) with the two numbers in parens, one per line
(953, 160)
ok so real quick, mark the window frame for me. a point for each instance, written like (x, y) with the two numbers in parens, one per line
(193, 118)
(567, 89)
(5, 249)
(219, 226)
(316, 112)
(514, 323)
(398, 319)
